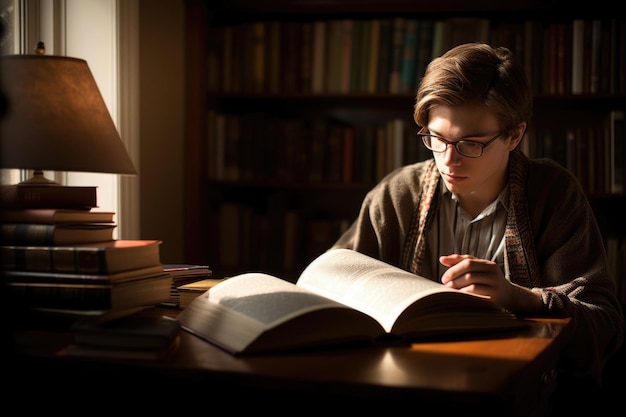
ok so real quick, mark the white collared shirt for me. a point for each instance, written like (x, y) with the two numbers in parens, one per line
(454, 231)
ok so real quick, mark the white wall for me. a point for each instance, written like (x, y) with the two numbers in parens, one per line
(91, 34)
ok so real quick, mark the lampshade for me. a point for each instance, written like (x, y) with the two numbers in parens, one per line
(56, 118)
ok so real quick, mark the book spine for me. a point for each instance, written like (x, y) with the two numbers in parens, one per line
(374, 53)
(384, 56)
(319, 57)
(306, 65)
(16, 196)
(397, 54)
(34, 234)
(409, 51)
(54, 259)
(618, 151)
(64, 296)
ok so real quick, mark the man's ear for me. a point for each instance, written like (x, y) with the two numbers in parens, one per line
(517, 136)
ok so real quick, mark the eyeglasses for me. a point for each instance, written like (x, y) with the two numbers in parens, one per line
(468, 148)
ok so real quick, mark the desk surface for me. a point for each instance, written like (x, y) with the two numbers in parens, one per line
(461, 372)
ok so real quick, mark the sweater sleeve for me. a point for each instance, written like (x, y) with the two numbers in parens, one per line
(574, 279)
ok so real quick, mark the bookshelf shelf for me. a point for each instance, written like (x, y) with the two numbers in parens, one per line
(210, 97)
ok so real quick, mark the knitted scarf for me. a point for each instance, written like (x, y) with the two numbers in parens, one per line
(521, 265)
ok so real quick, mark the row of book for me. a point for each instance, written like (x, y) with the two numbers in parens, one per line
(293, 237)
(596, 154)
(254, 147)
(317, 151)
(389, 55)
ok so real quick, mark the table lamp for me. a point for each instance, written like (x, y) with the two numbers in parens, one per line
(56, 119)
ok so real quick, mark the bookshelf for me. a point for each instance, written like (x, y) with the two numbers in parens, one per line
(259, 196)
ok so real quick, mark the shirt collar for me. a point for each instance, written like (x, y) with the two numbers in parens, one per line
(502, 199)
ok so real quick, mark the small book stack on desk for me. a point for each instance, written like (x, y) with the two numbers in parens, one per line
(59, 257)
(188, 292)
(183, 275)
(137, 336)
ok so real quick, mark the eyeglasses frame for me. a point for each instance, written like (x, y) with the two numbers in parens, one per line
(421, 134)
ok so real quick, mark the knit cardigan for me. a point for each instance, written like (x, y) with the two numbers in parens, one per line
(553, 246)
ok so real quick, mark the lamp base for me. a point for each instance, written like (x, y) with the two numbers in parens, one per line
(38, 179)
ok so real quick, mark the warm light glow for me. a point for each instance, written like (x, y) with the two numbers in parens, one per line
(57, 119)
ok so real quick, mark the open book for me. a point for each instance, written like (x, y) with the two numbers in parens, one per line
(343, 296)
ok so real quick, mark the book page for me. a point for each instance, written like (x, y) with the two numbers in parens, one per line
(366, 284)
(281, 300)
(256, 312)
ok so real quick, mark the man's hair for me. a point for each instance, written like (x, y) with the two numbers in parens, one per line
(476, 73)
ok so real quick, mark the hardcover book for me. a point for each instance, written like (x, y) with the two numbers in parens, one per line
(189, 292)
(55, 216)
(91, 279)
(343, 296)
(86, 258)
(184, 274)
(90, 297)
(48, 196)
(54, 234)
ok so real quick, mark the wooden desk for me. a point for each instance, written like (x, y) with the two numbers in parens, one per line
(510, 375)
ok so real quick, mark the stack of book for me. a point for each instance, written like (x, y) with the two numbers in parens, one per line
(185, 274)
(131, 337)
(59, 256)
(188, 292)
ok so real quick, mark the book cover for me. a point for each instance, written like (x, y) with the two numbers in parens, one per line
(54, 234)
(355, 57)
(55, 215)
(185, 274)
(86, 258)
(306, 58)
(374, 56)
(383, 70)
(424, 49)
(48, 196)
(188, 292)
(318, 78)
(333, 59)
(463, 29)
(618, 151)
(578, 46)
(397, 54)
(258, 45)
(90, 279)
(337, 300)
(187, 270)
(100, 298)
(364, 43)
(409, 56)
(272, 60)
(291, 43)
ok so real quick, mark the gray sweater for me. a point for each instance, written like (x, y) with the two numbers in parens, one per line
(553, 246)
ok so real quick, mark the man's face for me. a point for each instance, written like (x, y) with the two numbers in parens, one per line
(475, 181)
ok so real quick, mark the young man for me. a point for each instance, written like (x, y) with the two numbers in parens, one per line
(483, 218)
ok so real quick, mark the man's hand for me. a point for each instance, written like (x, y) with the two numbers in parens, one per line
(480, 276)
